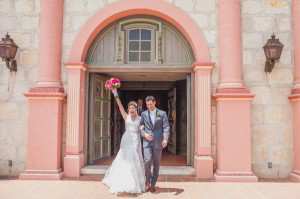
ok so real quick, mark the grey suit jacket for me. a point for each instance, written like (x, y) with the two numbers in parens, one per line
(160, 130)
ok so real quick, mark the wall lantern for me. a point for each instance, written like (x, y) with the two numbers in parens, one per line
(273, 49)
(8, 50)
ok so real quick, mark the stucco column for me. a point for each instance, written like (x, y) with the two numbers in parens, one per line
(51, 27)
(45, 99)
(295, 96)
(233, 100)
(230, 43)
(203, 154)
(74, 157)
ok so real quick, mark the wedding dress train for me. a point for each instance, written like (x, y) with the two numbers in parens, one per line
(127, 173)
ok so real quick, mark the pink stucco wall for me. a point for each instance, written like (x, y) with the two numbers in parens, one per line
(233, 98)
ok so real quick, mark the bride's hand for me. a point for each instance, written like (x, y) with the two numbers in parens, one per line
(148, 137)
(114, 90)
(142, 127)
(164, 143)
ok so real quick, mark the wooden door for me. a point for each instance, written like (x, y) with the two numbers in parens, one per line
(100, 119)
(190, 119)
(172, 120)
(181, 127)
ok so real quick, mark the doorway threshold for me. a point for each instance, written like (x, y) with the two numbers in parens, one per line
(164, 170)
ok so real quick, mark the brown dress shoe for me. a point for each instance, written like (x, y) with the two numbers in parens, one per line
(152, 189)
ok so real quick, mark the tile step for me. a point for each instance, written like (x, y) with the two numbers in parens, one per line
(164, 170)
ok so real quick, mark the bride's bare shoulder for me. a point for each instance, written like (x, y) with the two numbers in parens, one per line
(126, 117)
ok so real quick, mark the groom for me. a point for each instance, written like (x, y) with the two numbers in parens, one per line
(155, 137)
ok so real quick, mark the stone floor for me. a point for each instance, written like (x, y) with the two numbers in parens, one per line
(65, 189)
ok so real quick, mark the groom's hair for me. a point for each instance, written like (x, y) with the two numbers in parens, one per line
(150, 98)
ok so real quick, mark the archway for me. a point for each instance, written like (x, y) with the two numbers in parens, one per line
(74, 157)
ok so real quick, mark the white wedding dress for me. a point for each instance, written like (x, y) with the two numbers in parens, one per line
(127, 173)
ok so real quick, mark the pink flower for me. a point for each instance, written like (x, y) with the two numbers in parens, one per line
(115, 81)
(112, 83)
(108, 84)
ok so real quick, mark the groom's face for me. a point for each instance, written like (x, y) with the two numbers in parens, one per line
(150, 105)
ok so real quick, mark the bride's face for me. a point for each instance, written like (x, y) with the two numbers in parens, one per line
(132, 110)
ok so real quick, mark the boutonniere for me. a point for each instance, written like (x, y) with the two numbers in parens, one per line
(158, 116)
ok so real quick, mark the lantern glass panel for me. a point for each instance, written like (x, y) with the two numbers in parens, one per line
(273, 53)
(12, 53)
(6, 52)
(267, 52)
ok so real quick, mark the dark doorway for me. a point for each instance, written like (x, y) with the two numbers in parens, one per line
(172, 98)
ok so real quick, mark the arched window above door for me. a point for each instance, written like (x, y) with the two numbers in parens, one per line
(140, 41)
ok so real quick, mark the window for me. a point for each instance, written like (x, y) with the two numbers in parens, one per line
(138, 41)
(140, 45)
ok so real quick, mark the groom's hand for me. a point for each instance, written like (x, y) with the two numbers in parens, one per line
(148, 137)
(164, 143)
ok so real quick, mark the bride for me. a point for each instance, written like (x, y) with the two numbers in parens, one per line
(126, 173)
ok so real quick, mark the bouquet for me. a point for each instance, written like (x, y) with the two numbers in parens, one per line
(112, 83)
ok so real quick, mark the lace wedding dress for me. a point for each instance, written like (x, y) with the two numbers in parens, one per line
(126, 173)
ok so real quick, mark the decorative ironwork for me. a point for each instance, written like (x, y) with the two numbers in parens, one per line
(120, 47)
(159, 49)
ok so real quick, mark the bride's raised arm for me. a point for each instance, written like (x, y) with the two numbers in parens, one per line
(120, 105)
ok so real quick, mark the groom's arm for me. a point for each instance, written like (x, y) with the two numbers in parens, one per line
(166, 127)
(144, 134)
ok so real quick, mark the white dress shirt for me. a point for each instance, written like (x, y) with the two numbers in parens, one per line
(152, 116)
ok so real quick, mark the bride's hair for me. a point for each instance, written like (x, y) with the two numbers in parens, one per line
(132, 103)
